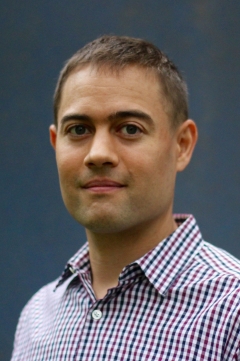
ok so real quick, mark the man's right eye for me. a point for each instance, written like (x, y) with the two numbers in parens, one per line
(78, 130)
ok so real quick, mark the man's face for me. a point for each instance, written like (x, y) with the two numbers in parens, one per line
(115, 149)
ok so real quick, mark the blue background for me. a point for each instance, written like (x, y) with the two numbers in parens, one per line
(37, 234)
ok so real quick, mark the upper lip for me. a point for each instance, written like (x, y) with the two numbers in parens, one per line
(102, 183)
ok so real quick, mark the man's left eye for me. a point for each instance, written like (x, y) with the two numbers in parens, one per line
(130, 129)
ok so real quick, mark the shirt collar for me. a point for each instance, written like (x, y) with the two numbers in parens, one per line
(161, 265)
(172, 256)
(78, 263)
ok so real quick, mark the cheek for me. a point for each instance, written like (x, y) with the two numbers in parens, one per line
(146, 171)
(69, 165)
(155, 168)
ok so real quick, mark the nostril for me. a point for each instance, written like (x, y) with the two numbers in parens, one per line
(101, 158)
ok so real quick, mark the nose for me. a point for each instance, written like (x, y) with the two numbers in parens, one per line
(102, 151)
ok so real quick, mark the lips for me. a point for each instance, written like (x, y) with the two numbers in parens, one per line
(102, 185)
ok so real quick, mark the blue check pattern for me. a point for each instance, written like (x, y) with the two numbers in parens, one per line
(180, 301)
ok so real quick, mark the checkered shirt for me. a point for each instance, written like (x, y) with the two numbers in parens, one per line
(180, 301)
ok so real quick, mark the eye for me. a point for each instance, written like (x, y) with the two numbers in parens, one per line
(130, 129)
(78, 130)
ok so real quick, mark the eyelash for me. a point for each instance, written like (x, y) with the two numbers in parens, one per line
(138, 130)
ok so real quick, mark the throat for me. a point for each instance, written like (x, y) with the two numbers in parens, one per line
(101, 288)
(109, 254)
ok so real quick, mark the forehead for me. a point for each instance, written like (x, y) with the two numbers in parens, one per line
(89, 87)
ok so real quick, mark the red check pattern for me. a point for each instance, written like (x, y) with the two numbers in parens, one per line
(180, 301)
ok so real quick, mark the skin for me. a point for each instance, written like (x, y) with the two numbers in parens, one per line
(117, 158)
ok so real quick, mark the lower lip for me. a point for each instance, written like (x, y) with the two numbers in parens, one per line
(102, 189)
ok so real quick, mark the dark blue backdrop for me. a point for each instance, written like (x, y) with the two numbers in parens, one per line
(202, 37)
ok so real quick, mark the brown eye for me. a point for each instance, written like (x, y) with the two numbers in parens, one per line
(79, 130)
(130, 129)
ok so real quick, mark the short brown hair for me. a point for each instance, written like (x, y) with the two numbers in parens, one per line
(117, 52)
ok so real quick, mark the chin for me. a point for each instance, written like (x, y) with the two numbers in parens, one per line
(103, 224)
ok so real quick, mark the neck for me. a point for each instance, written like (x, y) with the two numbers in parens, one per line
(110, 253)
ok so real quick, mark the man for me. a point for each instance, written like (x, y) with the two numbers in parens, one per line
(145, 286)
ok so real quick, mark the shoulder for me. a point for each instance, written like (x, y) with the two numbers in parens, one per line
(212, 273)
(42, 306)
(39, 311)
(220, 262)
(44, 296)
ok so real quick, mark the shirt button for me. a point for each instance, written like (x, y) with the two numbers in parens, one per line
(96, 314)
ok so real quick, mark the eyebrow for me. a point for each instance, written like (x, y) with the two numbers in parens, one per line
(80, 117)
(122, 114)
(138, 114)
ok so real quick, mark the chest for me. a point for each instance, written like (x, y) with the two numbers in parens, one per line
(132, 323)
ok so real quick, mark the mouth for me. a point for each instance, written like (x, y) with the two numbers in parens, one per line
(102, 185)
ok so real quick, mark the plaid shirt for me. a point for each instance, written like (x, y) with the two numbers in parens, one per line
(180, 301)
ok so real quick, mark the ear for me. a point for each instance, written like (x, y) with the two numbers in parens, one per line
(187, 135)
(53, 135)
